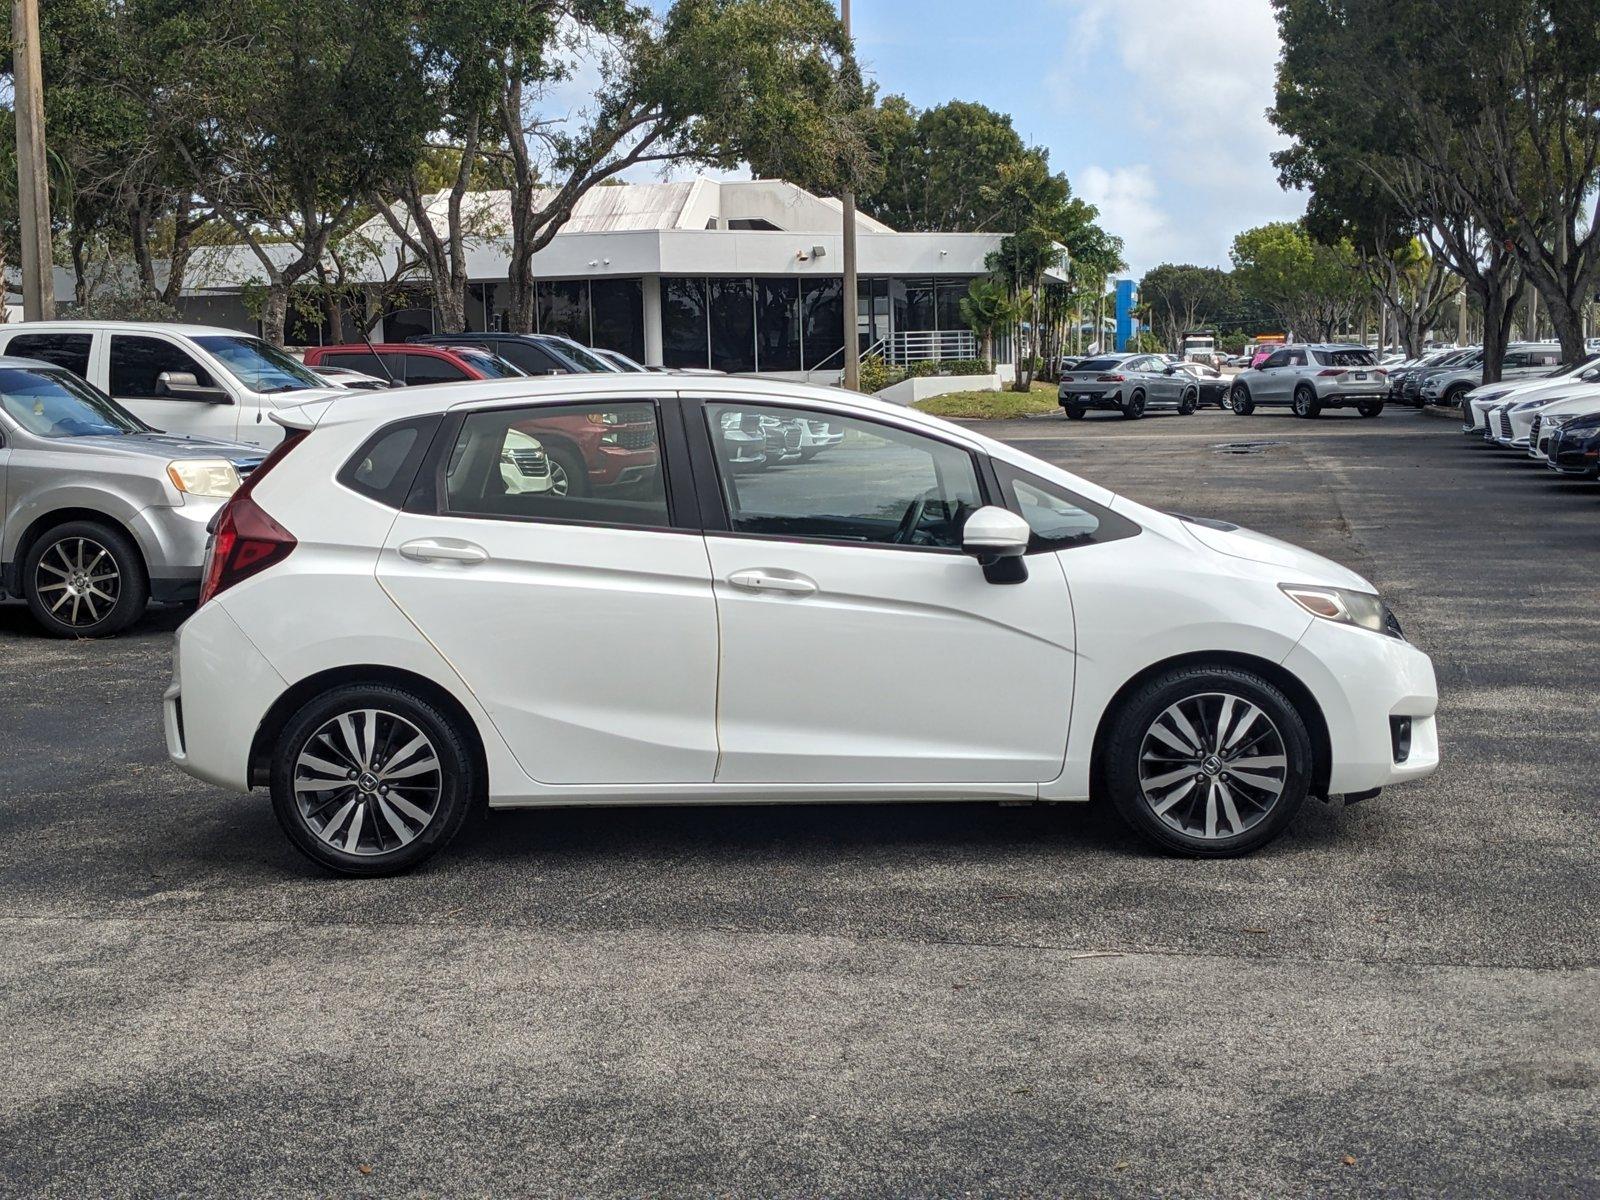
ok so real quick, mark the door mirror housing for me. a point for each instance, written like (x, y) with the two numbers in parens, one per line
(998, 538)
(182, 385)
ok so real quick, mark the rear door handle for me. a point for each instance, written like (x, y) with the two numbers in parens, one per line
(444, 550)
(767, 581)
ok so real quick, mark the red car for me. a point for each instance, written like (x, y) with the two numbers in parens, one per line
(584, 454)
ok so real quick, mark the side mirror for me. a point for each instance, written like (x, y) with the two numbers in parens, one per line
(998, 539)
(182, 385)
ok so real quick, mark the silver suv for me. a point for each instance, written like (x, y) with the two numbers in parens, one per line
(1310, 378)
(1447, 385)
(101, 512)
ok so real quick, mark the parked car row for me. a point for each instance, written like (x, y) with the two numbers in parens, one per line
(1554, 421)
(120, 441)
(1445, 376)
(1134, 384)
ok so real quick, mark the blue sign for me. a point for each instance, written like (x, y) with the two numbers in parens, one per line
(1125, 301)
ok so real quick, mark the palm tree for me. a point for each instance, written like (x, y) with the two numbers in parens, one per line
(987, 308)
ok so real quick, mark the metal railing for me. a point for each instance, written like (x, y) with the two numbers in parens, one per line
(924, 345)
(877, 347)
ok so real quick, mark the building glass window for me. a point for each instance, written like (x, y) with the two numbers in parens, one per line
(822, 320)
(683, 321)
(563, 306)
(618, 315)
(777, 324)
(733, 325)
(947, 303)
(919, 311)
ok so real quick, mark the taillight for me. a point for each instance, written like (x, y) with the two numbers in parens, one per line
(245, 538)
(1111, 379)
(1332, 371)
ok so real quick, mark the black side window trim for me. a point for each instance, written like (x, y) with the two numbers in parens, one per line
(427, 494)
(400, 487)
(708, 483)
(1113, 527)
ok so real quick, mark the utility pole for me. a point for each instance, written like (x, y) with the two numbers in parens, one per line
(33, 185)
(852, 316)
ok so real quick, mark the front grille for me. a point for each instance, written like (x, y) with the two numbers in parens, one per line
(1413, 388)
(532, 464)
(640, 438)
(1505, 424)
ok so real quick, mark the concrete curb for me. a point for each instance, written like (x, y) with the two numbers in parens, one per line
(1449, 414)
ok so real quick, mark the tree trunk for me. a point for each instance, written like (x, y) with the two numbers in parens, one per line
(275, 312)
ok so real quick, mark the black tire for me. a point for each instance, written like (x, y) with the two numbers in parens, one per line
(1190, 402)
(1240, 400)
(64, 572)
(1074, 411)
(1370, 408)
(1129, 731)
(455, 782)
(1452, 398)
(1134, 408)
(1306, 403)
(572, 466)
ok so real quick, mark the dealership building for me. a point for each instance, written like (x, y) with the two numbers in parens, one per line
(737, 275)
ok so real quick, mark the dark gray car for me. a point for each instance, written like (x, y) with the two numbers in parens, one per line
(101, 513)
(1131, 384)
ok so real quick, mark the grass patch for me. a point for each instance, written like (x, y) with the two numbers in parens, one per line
(992, 406)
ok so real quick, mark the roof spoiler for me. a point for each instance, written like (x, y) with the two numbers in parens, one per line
(302, 416)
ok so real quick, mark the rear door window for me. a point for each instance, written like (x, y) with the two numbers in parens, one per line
(356, 360)
(69, 350)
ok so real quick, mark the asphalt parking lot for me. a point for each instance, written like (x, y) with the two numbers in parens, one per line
(1399, 998)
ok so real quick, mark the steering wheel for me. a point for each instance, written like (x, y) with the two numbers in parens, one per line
(907, 529)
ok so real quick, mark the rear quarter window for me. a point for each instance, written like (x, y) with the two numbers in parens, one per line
(386, 465)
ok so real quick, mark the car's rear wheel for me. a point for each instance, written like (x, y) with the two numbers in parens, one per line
(1370, 408)
(1208, 761)
(1134, 408)
(1305, 402)
(85, 579)
(371, 779)
(1074, 412)
(1240, 399)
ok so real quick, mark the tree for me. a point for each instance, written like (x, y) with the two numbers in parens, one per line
(1314, 289)
(286, 115)
(1183, 297)
(987, 309)
(1482, 122)
(935, 165)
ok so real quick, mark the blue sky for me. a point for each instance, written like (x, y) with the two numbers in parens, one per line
(1153, 108)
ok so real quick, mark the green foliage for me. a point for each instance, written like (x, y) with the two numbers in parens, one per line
(936, 164)
(932, 367)
(1180, 297)
(1146, 342)
(998, 405)
(877, 374)
(1314, 289)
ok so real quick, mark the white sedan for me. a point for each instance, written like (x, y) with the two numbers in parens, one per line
(391, 633)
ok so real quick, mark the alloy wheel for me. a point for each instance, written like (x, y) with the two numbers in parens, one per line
(559, 481)
(368, 781)
(1212, 765)
(78, 582)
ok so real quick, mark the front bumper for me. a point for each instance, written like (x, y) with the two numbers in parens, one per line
(173, 543)
(1360, 680)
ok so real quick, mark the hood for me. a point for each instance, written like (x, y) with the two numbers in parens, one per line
(167, 446)
(1294, 564)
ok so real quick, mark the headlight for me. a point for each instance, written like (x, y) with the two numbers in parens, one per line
(1344, 606)
(214, 478)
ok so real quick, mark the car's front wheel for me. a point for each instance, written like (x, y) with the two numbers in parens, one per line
(85, 579)
(371, 779)
(1208, 761)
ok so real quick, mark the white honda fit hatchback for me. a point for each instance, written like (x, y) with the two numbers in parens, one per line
(391, 633)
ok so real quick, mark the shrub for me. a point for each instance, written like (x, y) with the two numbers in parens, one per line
(877, 374)
(948, 366)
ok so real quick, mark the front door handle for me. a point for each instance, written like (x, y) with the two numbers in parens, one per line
(444, 550)
(768, 581)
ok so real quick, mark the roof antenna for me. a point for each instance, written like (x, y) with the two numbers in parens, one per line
(361, 326)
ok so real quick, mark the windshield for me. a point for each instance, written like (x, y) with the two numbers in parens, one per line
(490, 366)
(586, 357)
(257, 365)
(57, 404)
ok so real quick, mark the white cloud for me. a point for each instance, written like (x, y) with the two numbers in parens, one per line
(1187, 84)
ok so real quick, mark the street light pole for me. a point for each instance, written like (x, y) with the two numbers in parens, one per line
(852, 316)
(33, 185)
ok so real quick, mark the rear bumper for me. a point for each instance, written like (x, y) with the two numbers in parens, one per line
(221, 689)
